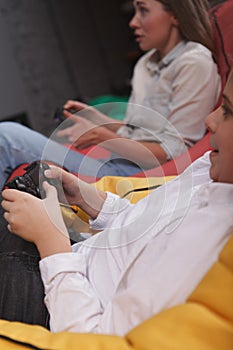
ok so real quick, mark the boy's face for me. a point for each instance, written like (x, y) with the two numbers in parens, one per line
(220, 124)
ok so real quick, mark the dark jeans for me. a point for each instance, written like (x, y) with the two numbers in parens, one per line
(21, 287)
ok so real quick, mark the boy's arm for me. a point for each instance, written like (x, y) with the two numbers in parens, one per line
(77, 192)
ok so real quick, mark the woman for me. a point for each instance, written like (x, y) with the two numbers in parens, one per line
(177, 78)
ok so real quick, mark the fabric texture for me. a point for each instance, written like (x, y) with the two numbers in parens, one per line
(221, 17)
(204, 322)
(183, 88)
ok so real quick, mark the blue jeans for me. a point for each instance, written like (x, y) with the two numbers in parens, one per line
(19, 144)
(21, 287)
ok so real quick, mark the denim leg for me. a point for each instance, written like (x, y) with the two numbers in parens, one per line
(21, 287)
(19, 144)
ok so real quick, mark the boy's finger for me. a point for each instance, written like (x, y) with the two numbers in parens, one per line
(49, 189)
(6, 205)
(53, 172)
(11, 194)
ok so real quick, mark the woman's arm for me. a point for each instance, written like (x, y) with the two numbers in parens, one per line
(92, 114)
(84, 134)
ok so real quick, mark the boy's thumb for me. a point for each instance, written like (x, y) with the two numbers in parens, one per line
(49, 190)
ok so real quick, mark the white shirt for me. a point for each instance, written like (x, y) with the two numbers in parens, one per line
(183, 88)
(149, 257)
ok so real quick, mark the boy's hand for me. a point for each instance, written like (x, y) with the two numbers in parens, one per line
(77, 192)
(35, 220)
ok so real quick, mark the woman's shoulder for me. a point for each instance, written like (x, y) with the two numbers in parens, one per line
(195, 57)
(195, 51)
(145, 58)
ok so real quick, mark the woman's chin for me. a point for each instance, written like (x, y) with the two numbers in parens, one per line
(143, 46)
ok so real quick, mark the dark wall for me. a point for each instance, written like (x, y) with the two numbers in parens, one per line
(52, 50)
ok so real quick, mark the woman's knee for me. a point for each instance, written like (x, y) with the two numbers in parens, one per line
(11, 127)
(11, 131)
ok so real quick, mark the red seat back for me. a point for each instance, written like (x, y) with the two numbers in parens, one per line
(222, 22)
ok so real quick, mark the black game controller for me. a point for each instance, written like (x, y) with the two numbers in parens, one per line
(59, 117)
(31, 181)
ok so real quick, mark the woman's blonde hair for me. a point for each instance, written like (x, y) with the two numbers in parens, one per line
(193, 19)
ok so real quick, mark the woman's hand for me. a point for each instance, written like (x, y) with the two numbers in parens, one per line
(37, 221)
(84, 133)
(74, 105)
(90, 114)
(73, 133)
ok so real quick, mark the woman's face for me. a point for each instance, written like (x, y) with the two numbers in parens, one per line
(220, 124)
(154, 27)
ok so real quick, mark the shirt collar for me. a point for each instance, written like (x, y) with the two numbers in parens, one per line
(216, 193)
(154, 64)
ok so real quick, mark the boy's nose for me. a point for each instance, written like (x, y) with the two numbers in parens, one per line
(211, 120)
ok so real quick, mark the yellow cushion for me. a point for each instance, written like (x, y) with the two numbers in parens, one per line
(121, 185)
(118, 185)
(204, 322)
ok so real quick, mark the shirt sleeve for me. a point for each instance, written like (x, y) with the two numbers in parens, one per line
(196, 87)
(73, 302)
(113, 205)
(82, 312)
